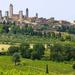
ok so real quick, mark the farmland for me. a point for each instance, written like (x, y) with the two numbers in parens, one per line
(4, 47)
(33, 67)
(30, 67)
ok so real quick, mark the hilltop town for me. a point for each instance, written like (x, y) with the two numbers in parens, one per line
(35, 45)
(37, 23)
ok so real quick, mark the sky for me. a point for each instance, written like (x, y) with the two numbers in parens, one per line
(60, 9)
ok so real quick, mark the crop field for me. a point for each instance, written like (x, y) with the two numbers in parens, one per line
(4, 47)
(33, 67)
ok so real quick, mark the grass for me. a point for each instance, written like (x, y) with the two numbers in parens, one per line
(36, 67)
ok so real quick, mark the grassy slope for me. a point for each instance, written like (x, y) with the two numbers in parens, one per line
(29, 67)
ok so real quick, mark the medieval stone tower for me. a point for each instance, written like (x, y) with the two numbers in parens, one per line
(10, 11)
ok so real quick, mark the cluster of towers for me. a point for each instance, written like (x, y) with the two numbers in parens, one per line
(10, 13)
(20, 12)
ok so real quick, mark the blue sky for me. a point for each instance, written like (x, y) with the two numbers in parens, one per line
(60, 9)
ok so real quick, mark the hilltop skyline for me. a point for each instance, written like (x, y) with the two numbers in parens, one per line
(46, 8)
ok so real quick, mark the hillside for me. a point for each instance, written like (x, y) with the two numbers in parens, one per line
(37, 67)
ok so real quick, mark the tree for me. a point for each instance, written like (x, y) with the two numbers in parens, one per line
(12, 50)
(1, 28)
(56, 52)
(6, 28)
(53, 35)
(47, 68)
(38, 51)
(35, 55)
(16, 58)
(15, 29)
(73, 66)
(25, 51)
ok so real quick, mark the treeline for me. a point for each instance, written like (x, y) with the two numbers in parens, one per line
(12, 28)
(60, 52)
(28, 30)
(69, 29)
(57, 52)
(26, 52)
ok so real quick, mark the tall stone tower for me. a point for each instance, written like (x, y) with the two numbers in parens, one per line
(20, 14)
(10, 11)
(0, 15)
(27, 13)
(36, 15)
(6, 13)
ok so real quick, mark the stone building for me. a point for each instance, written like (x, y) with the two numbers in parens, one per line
(27, 12)
(0, 16)
(21, 15)
(10, 11)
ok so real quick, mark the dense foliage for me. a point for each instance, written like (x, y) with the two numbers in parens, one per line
(60, 52)
(38, 51)
(25, 51)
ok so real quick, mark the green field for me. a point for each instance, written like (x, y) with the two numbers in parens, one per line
(36, 67)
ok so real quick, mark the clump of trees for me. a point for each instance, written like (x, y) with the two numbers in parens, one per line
(38, 51)
(59, 52)
(12, 28)
(69, 29)
(24, 50)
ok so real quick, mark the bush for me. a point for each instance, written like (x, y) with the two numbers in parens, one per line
(35, 55)
(2, 53)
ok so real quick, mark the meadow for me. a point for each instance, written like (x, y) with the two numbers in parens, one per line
(36, 67)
